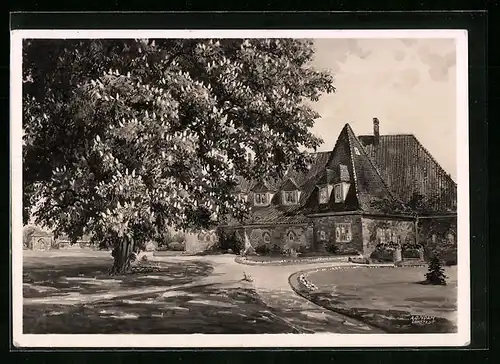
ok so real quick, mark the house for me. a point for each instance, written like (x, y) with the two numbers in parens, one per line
(368, 190)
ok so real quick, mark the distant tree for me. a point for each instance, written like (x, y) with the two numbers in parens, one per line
(124, 138)
(28, 232)
(435, 274)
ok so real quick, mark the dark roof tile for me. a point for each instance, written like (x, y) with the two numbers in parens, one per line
(408, 168)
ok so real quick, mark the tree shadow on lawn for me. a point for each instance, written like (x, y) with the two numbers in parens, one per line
(92, 276)
(209, 309)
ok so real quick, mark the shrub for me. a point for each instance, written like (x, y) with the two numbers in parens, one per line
(383, 254)
(176, 246)
(411, 253)
(178, 237)
(289, 253)
(332, 248)
(276, 250)
(303, 249)
(435, 274)
(263, 249)
(229, 240)
(54, 244)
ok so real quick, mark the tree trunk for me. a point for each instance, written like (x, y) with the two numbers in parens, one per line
(122, 254)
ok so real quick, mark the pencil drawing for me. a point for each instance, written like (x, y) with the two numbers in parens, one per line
(239, 186)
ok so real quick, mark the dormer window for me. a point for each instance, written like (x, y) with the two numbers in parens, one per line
(290, 197)
(291, 236)
(261, 199)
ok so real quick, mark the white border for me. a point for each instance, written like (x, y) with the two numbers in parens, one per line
(462, 337)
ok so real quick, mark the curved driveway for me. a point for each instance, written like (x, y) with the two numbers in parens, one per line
(271, 284)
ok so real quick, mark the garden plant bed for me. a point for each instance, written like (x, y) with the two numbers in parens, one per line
(280, 260)
(392, 299)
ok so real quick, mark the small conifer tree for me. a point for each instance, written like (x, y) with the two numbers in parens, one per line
(435, 274)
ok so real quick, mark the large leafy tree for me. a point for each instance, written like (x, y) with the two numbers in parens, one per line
(124, 138)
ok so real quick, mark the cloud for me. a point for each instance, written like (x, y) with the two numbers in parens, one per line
(340, 50)
(407, 79)
(409, 41)
(439, 64)
(399, 55)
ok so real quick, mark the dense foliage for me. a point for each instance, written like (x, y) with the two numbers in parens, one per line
(124, 138)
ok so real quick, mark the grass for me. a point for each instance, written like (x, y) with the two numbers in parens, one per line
(173, 301)
(389, 298)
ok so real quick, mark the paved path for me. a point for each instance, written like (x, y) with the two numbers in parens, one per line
(271, 283)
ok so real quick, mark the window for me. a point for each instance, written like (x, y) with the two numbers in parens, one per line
(344, 173)
(356, 150)
(266, 237)
(290, 197)
(450, 238)
(322, 235)
(386, 235)
(291, 236)
(343, 233)
(261, 199)
(338, 193)
(323, 194)
(201, 236)
(242, 196)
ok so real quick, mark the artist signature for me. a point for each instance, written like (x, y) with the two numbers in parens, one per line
(422, 319)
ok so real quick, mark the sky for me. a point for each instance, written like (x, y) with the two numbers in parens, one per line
(408, 84)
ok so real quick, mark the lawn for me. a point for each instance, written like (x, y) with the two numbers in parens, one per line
(74, 295)
(82, 275)
(390, 298)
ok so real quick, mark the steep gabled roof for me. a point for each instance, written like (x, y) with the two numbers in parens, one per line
(369, 183)
(349, 163)
(265, 186)
(408, 168)
(289, 184)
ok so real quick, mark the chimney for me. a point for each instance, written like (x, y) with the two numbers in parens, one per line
(376, 131)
